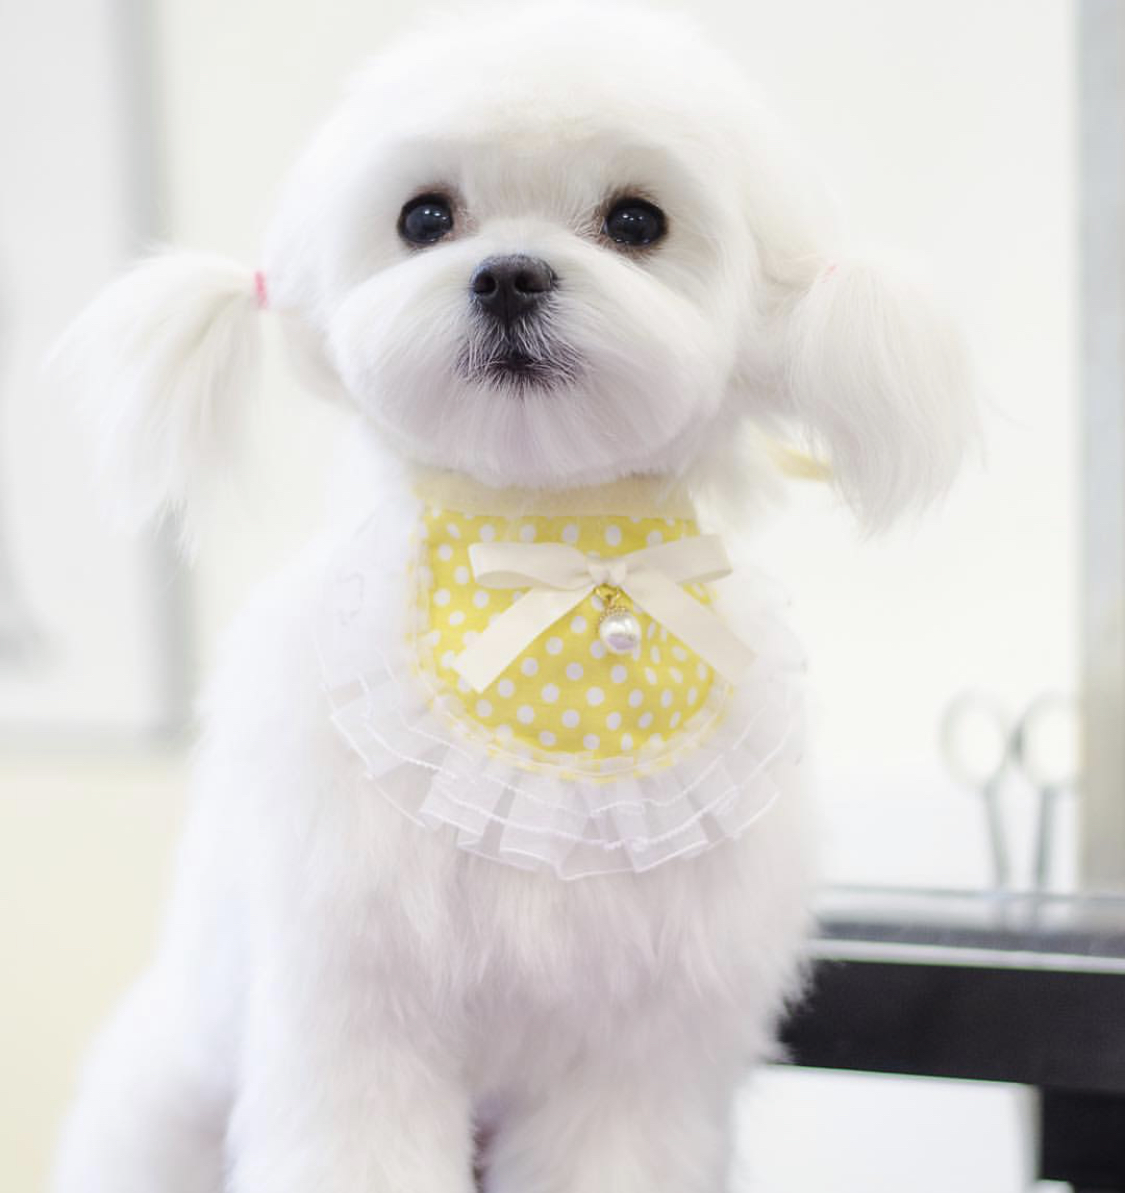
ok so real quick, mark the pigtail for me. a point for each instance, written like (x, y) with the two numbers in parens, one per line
(880, 378)
(163, 364)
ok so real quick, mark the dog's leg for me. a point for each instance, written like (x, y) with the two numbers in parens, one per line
(150, 1115)
(610, 1127)
(347, 1090)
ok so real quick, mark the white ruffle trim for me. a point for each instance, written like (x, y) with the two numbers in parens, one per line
(709, 786)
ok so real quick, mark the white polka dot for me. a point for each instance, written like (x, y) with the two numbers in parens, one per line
(525, 714)
(469, 636)
(578, 624)
(666, 698)
(654, 538)
(597, 648)
(619, 673)
(445, 552)
(598, 603)
(650, 675)
(595, 696)
(504, 732)
(447, 659)
(675, 720)
(654, 654)
(656, 740)
(441, 597)
(676, 674)
(480, 598)
(613, 535)
(679, 654)
(591, 741)
(452, 531)
(456, 617)
(570, 533)
(651, 631)
(693, 695)
(701, 671)
(506, 688)
(529, 667)
(574, 671)
(626, 741)
(570, 719)
(484, 708)
(663, 634)
(463, 685)
(646, 720)
(554, 645)
(487, 532)
(461, 574)
(527, 533)
(613, 721)
(550, 693)
(547, 738)
(636, 698)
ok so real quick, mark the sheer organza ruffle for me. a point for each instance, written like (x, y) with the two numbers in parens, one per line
(536, 809)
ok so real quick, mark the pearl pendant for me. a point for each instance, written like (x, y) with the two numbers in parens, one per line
(620, 631)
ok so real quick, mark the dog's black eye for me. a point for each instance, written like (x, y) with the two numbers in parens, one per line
(634, 223)
(426, 219)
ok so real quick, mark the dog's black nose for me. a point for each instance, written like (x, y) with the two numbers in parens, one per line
(510, 288)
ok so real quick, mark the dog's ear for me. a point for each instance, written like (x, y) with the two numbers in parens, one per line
(163, 363)
(878, 378)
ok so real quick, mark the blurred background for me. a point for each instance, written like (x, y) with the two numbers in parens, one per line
(956, 133)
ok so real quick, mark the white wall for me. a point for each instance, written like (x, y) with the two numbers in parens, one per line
(947, 126)
(66, 219)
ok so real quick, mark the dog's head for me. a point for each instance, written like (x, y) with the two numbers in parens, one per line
(527, 247)
(552, 246)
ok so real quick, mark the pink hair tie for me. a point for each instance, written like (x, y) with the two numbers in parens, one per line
(260, 290)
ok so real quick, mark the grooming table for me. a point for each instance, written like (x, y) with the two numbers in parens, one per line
(1028, 989)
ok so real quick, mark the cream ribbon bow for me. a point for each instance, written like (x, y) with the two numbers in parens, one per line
(559, 577)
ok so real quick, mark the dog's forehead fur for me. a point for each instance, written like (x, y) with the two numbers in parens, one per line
(537, 102)
(577, 71)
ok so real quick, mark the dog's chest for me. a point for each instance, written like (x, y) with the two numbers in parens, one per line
(497, 710)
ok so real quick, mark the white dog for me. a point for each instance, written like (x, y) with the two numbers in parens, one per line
(497, 858)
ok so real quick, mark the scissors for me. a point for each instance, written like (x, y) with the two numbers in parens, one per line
(982, 745)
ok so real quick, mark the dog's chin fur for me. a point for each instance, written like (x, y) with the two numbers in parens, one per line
(341, 999)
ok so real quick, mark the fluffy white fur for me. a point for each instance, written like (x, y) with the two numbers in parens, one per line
(341, 1001)
(165, 361)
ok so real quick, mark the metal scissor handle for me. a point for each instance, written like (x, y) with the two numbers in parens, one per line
(981, 743)
(1046, 745)
(976, 741)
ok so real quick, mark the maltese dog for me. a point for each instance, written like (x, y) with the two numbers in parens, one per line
(497, 872)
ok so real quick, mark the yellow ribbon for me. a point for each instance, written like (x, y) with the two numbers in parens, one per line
(560, 577)
(799, 465)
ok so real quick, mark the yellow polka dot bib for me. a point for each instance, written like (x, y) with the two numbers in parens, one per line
(566, 694)
(564, 755)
